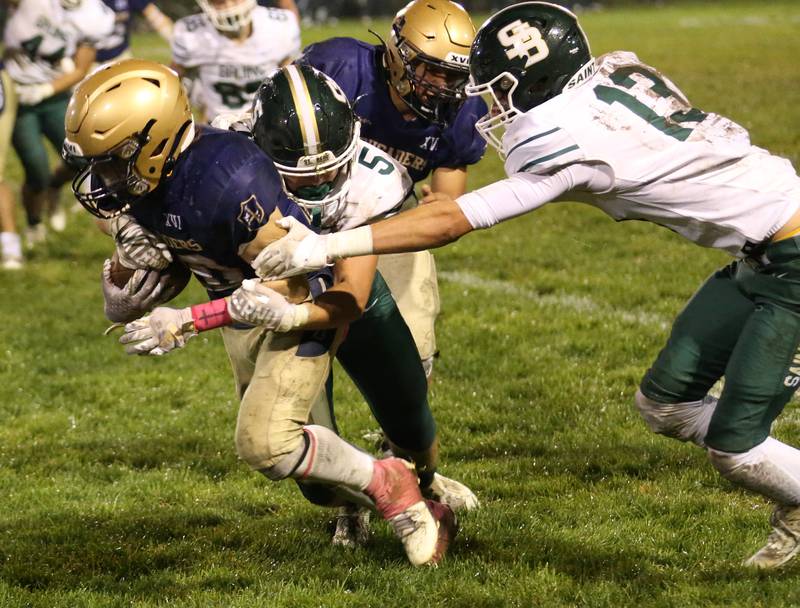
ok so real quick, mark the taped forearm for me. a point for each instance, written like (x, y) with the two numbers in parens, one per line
(350, 243)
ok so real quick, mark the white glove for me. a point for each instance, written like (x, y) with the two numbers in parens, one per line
(234, 121)
(163, 330)
(137, 247)
(257, 304)
(299, 252)
(33, 94)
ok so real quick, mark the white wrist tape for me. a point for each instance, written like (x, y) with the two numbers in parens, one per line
(297, 317)
(349, 243)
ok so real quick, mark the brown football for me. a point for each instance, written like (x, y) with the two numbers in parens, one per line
(120, 275)
(178, 276)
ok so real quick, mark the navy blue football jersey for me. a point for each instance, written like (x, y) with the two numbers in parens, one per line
(120, 39)
(222, 190)
(417, 144)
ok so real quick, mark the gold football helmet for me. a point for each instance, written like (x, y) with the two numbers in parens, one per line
(126, 124)
(427, 56)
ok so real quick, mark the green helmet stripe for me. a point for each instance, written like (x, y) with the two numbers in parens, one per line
(305, 109)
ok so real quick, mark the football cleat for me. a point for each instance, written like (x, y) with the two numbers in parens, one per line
(783, 542)
(35, 235)
(448, 528)
(58, 220)
(452, 493)
(352, 527)
(11, 263)
(397, 497)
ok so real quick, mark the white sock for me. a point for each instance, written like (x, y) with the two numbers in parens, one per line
(330, 459)
(10, 245)
(771, 469)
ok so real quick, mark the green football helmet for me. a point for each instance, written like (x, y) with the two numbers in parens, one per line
(523, 56)
(304, 122)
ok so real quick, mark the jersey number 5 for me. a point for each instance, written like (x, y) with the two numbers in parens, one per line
(376, 163)
(670, 124)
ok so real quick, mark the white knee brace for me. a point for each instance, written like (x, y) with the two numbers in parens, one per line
(686, 421)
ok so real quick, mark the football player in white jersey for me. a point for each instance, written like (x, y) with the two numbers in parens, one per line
(615, 133)
(229, 48)
(305, 123)
(50, 46)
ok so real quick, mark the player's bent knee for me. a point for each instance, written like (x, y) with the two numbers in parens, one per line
(267, 451)
(683, 421)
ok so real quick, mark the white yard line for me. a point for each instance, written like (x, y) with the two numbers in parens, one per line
(745, 20)
(582, 304)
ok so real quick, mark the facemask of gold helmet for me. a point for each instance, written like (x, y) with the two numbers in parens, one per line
(126, 125)
(427, 56)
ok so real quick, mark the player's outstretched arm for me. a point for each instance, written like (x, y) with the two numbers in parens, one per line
(437, 222)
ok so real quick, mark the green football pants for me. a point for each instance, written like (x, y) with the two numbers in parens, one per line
(380, 356)
(44, 119)
(743, 324)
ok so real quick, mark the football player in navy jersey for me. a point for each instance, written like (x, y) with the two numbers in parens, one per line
(409, 96)
(117, 46)
(211, 196)
(306, 125)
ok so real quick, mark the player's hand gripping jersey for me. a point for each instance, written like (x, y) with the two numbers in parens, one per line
(229, 71)
(628, 142)
(418, 145)
(41, 35)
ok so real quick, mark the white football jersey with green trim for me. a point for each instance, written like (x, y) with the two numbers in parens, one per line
(671, 164)
(39, 34)
(228, 72)
(379, 186)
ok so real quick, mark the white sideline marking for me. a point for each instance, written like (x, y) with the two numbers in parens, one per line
(745, 20)
(582, 304)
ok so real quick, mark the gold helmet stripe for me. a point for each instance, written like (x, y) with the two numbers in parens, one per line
(305, 109)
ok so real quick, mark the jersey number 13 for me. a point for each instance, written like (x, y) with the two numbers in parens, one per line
(673, 124)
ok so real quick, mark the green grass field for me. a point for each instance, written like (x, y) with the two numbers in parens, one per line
(119, 481)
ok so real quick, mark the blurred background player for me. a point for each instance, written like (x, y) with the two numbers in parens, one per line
(10, 245)
(117, 45)
(409, 94)
(50, 47)
(229, 48)
(129, 126)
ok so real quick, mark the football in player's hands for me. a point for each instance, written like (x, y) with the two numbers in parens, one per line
(175, 276)
(120, 275)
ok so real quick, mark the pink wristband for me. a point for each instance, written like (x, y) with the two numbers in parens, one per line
(211, 315)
